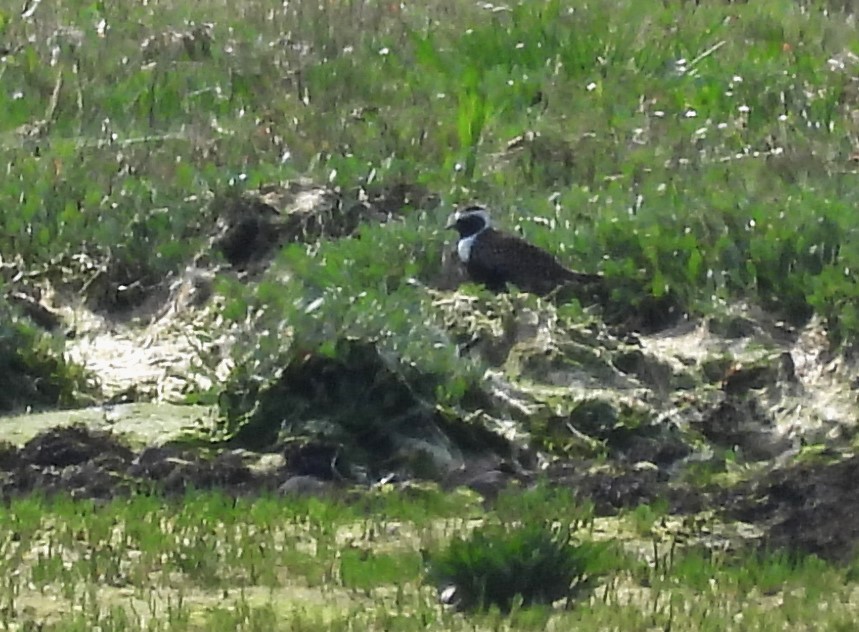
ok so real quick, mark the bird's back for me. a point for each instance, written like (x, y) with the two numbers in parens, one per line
(498, 258)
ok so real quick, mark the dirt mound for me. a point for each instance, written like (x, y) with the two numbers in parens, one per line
(807, 508)
(253, 224)
(73, 445)
(612, 489)
(86, 463)
(95, 464)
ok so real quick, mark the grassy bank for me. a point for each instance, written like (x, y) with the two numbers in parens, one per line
(706, 151)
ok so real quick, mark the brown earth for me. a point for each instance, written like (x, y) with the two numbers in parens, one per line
(810, 508)
(807, 508)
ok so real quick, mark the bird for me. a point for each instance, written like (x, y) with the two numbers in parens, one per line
(497, 259)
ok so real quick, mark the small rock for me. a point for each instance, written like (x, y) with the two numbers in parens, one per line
(304, 486)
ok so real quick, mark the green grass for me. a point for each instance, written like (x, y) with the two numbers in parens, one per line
(703, 150)
(33, 370)
(706, 152)
(208, 562)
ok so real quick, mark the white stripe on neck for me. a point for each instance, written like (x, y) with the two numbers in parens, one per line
(463, 248)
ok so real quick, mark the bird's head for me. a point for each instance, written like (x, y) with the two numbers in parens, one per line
(469, 221)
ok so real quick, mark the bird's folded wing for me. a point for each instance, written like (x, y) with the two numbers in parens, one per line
(524, 264)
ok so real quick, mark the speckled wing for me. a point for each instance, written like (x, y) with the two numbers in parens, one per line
(499, 258)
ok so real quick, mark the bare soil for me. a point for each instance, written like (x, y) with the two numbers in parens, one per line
(808, 508)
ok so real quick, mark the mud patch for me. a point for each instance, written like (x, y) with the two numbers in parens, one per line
(612, 489)
(71, 459)
(807, 508)
(73, 445)
(86, 463)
